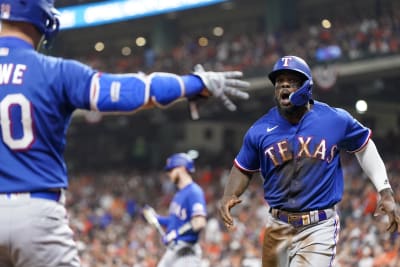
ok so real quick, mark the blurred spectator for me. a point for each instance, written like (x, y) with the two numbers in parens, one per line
(104, 206)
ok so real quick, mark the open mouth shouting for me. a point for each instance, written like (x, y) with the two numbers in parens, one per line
(284, 98)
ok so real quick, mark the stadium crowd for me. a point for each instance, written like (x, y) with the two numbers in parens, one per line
(253, 51)
(110, 230)
(105, 207)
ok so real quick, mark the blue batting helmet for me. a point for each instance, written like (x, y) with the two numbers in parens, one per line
(292, 63)
(180, 160)
(299, 66)
(41, 13)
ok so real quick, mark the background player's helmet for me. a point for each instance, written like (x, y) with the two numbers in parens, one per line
(180, 160)
(40, 13)
(299, 66)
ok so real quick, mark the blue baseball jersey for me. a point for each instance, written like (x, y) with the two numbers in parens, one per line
(186, 204)
(38, 95)
(300, 163)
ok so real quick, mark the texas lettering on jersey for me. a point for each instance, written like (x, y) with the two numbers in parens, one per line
(280, 152)
(299, 161)
(178, 211)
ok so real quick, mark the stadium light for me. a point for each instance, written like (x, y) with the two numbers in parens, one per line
(140, 41)
(203, 41)
(218, 31)
(126, 51)
(99, 46)
(361, 106)
(326, 24)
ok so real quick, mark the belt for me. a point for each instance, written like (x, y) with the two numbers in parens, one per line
(180, 243)
(55, 195)
(298, 219)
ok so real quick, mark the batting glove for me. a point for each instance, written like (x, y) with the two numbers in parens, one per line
(221, 84)
(387, 206)
(169, 237)
(149, 214)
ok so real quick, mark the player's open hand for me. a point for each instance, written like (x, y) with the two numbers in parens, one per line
(387, 206)
(149, 214)
(222, 84)
(225, 206)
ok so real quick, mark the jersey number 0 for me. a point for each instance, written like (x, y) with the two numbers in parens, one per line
(8, 123)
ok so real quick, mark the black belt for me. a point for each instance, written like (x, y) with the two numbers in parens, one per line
(298, 219)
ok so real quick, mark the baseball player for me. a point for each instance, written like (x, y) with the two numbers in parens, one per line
(38, 95)
(187, 215)
(295, 147)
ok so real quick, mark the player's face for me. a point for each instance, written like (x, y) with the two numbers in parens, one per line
(173, 175)
(285, 84)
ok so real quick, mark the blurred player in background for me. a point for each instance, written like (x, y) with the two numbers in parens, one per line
(38, 95)
(296, 148)
(187, 215)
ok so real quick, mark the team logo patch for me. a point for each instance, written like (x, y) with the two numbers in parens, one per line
(198, 208)
(5, 10)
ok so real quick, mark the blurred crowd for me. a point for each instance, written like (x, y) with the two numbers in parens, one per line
(254, 50)
(110, 231)
(105, 208)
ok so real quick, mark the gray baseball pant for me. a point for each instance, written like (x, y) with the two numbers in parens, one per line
(35, 233)
(181, 254)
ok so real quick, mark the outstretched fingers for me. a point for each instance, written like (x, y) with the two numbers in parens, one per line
(225, 208)
(199, 68)
(233, 74)
(226, 216)
(227, 102)
(236, 93)
(395, 222)
(390, 208)
(223, 84)
(237, 83)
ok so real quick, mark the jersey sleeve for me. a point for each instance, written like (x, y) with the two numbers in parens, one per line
(106, 92)
(75, 78)
(129, 92)
(356, 135)
(197, 203)
(248, 158)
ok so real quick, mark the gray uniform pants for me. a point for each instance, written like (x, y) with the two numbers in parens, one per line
(35, 233)
(313, 245)
(181, 254)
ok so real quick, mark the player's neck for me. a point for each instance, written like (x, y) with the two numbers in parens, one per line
(24, 31)
(296, 114)
(184, 181)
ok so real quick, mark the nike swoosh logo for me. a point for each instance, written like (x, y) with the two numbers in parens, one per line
(272, 128)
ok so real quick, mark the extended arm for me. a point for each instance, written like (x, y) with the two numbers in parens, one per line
(238, 182)
(196, 224)
(372, 164)
(131, 92)
(163, 220)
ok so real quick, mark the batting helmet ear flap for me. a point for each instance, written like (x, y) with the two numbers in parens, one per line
(302, 95)
(52, 27)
